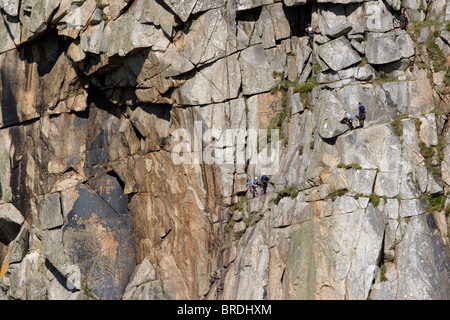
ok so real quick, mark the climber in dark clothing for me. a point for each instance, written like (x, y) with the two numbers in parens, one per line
(361, 114)
(403, 18)
(264, 182)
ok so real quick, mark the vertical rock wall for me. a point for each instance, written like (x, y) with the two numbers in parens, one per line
(95, 96)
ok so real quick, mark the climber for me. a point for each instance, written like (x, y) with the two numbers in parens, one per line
(361, 114)
(310, 33)
(264, 182)
(347, 120)
(254, 186)
(403, 18)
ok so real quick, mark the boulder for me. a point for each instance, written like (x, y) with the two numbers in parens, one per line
(11, 221)
(258, 70)
(293, 101)
(358, 46)
(153, 12)
(328, 112)
(338, 54)
(144, 284)
(428, 130)
(11, 7)
(406, 45)
(35, 17)
(220, 81)
(265, 29)
(302, 57)
(382, 50)
(364, 73)
(333, 22)
(378, 17)
(51, 212)
(182, 9)
(206, 40)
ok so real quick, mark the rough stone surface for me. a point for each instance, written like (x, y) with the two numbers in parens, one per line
(338, 54)
(129, 131)
(382, 50)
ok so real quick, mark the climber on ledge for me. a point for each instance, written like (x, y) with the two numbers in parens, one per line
(361, 114)
(403, 18)
(347, 120)
(264, 182)
(254, 186)
(310, 32)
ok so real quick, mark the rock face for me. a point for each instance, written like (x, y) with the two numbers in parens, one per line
(129, 132)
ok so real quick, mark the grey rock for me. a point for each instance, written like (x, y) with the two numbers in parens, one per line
(279, 20)
(406, 45)
(428, 130)
(364, 73)
(290, 3)
(338, 54)
(220, 81)
(378, 17)
(293, 102)
(424, 33)
(327, 76)
(333, 22)
(394, 4)
(182, 9)
(91, 222)
(382, 50)
(257, 70)
(413, 207)
(51, 212)
(248, 276)
(421, 261)
(361, 181)
(358, 46)
(249, 4)
(265, 29)
(11, 7)
(11, 221)
(144, 284)
(367, 254)
(328, 112)
(35, 17)
(207, 38)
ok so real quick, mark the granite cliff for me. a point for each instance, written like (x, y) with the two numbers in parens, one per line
(130, 130)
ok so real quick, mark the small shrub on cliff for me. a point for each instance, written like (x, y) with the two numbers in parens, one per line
(426, 152)
(397, 124)
(436, 203)
(374, 200)
(336, 193)
(383, 273)
(435, 53)
(291, 191)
